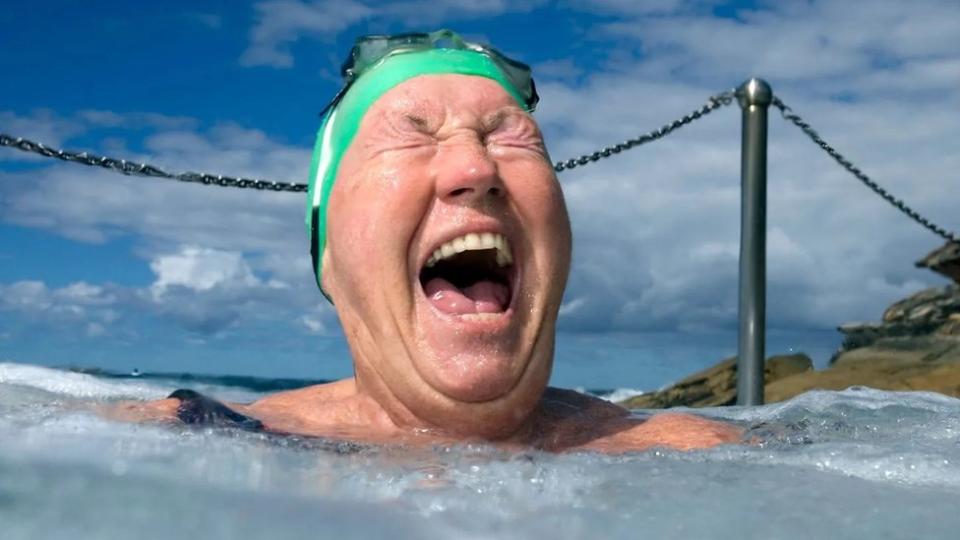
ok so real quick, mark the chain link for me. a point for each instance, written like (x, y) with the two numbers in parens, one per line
(713, 103)
(795, 119)
(142, 169)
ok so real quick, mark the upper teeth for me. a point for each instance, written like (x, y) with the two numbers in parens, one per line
(474, 241)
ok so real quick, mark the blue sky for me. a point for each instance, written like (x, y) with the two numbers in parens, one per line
(99, 269)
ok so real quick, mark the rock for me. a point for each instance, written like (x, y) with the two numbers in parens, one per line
(915, 347)
(925, 363)
(944, 260)
(717, 385)
(929, 363)
(951, 327)
(930, 311)
(929, 307)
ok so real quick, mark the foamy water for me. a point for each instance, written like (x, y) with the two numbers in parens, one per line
(854, 464)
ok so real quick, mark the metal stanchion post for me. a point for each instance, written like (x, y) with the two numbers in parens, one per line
(754, 97)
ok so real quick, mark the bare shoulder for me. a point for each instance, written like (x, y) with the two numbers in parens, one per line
(309, 395)
(572, 420)
(286, 411)
(679, 431)
(567, 420)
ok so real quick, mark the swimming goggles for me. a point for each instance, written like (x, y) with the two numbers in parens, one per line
(369, 50)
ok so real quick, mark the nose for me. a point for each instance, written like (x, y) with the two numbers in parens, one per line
(466, 174)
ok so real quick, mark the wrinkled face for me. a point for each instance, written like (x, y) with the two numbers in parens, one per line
(448, 252)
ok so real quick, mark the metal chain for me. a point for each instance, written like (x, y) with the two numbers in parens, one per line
(142, 169)
(795, 119)
(712, 104)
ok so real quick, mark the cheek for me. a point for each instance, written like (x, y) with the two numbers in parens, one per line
(555, 207)
(557, 228)
(538, 194)
(370, 221)
(544, 213)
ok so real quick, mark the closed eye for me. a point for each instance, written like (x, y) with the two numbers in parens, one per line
(403, 130)
(516, 130)
(418, 123)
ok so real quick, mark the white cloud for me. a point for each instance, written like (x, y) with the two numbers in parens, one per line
(25, 295)
(222, 258)
(99, 118)
(831, 43)
(40, 125)
(203, 291)
(93, 205)
(313, 324)
(637, 7)
(563, 69)
(78, 305)
(656, 228)
(95, 329)
(280, 23)
(207, 291)
(201, 269)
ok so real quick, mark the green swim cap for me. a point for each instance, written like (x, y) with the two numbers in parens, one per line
(343, 117)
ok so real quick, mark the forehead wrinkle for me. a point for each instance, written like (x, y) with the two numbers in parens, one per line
(415, 107)
(437, 100)
(434, 108)
(472, 117)
(383, 127)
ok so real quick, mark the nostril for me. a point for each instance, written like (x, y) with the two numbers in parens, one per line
(493, 191)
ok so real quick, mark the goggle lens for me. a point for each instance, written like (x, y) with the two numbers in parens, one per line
(368, 50)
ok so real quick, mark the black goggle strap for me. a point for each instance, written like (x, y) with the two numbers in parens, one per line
(314, 249)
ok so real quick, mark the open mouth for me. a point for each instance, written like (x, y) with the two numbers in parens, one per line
(472, 274)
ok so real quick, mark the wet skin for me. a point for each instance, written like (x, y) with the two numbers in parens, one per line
(435, 158)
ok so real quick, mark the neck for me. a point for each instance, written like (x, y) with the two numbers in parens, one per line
(507, 419)
(413, 405)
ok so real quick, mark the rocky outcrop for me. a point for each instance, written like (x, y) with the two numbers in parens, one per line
(944, 260)
(934, 311)
(916, 346)
(717, 385)
(928, 363)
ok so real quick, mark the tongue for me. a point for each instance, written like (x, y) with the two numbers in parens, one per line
(481, 297)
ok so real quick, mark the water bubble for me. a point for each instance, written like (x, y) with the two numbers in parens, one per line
(881, 462)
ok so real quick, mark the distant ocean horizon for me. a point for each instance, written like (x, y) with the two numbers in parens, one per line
(595, 362)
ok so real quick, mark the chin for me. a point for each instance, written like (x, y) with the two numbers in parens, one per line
(488, 404)
(476, 377)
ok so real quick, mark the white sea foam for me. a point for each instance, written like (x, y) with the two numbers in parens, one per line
(855, 464)
(78, 385)
(621, 394)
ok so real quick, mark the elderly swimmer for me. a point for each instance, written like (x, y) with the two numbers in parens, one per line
(439, 231)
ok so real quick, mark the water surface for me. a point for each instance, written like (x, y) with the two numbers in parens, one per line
(854, 464)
